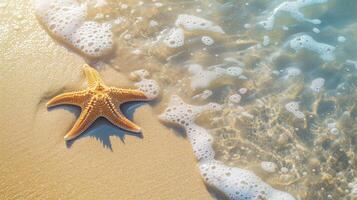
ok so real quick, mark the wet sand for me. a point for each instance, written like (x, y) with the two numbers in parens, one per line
(104, 163)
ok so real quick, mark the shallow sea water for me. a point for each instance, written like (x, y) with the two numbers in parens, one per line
(284, 73)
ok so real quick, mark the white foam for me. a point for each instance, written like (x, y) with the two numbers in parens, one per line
(293, 8)
(202, 78)
(333, 128)
(268, 166)
(304, 41)
(316, 30)
(353, 189)
(149, 86)
(66, 19)
(341, 39)
(235, 98)
(98, 3)
(293, 107)
(174, 38)
(191, 23)
(352, 62)
(317, 84)
(207, 40)
(92, 38)
(291, 72)
(235, 183)
(243, 90)
(266, 40)
(238, 183)
(178, 112)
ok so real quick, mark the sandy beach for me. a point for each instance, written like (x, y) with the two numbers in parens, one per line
(105, 163)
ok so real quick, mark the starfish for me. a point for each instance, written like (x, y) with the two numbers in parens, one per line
(97, 101)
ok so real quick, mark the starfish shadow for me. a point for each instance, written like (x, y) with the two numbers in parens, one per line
(102, 129)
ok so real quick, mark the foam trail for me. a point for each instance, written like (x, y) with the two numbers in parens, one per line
(235, 183)
(293, 8)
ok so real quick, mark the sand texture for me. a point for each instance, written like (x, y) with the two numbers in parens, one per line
(104, 163)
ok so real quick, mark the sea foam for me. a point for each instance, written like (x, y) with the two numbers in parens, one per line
(234, 182)
(149, 86)
(304, 41)
(66, 20)
(293, 8)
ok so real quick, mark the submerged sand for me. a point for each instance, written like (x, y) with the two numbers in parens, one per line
(105, 163)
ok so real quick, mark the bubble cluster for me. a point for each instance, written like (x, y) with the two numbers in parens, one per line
(192, 23)
(291, 72)
(304, 41)
(293, 107)
(66, 19)
(317, 84)
(174, 38)
(148, 86)
(207, 40)
(202, 78)
(268, 166)
(92, 38)
(235, 98)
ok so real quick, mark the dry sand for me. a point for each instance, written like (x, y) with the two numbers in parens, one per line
(36, 163)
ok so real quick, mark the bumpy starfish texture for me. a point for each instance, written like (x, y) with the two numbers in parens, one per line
(97, 101)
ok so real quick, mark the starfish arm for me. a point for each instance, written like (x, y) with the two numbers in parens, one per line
(92, 76)
(126, 95)
(86, 118)
(70, 98)
(118, 119)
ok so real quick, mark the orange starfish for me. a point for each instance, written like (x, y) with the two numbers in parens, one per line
(97, 101)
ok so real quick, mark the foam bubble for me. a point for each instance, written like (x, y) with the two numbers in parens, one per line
(235, 98)
(148, 86)
(316, 30)
(92, 38)
(341, 39)
(293, 107)
(268, 166)
(202, 78)
(174, 38)
(178, 112)
(266, 40)
(98, 3)
(191, 23)
(66, 19)
(207, 40)
(293, 8)
(304, 41)
(234, 71)
(243, 90)
(317, 84)
(291, 72)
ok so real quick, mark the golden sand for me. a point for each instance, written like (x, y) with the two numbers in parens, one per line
(36, 163)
